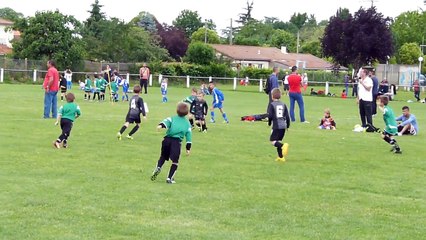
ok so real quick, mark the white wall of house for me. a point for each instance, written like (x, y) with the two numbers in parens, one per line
(255, 64)
(6, 36)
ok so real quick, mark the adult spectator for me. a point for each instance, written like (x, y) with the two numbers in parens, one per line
(365, 98)
(295, 83)
(108, 73)
(355, 87)
(384, 86)
(68, 77)
(144, 73)
(375, 91)
(51, 87)
(407, 123)
(272, 83)
(346, 80)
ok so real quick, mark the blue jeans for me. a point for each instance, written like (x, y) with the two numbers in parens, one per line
(69, 85)
(299, 99)
(50, 103)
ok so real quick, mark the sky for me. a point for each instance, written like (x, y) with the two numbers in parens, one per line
(221, 11)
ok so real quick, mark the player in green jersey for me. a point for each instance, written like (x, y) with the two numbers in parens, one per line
(391, 128)
(66, 116)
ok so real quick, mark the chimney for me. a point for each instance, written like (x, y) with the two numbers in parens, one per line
(284, 49)
(258, 52)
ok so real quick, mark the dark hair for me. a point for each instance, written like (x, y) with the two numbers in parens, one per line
(194, 90)
(137, 89)
(116, 74)
(405, 108)
(276, 93)
(182, 109)
(70, 97)
(51, 62)
(384, 99)
(68, 71)
(294, 68)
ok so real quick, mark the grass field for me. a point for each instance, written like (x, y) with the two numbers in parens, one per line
(334, 184)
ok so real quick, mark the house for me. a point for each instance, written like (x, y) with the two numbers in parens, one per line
(268, 57)
(6, 36)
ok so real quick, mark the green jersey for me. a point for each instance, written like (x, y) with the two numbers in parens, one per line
(189, 99)
(178, 127)
(389, 117)
(88, 85)
(97, 84)
(114, 87)
(69, 111)
(103, 83)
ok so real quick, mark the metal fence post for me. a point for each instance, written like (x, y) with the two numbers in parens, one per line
(187, 81)
(235, 83)
(35, 75)
(150, 80)
(128, 77)
(261, 85)
(326, 88)
(1, 75)
(160, 78)
(210, 79)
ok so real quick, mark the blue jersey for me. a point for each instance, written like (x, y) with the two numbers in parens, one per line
(126, 85)
(164, 88)
(218, 96)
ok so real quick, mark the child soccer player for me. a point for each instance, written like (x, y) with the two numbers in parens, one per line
(280, 120)
(119, 81)
(164, 89)
(66, 116)
(218, 99)
(63, 85)
(189, 100)
(391, 128)
(327, 122)
(136, 107)
(343, 95)
(126, 86)
(97, 87)
(177, 127)
(114, 91)
(103, 84)
(199, 110)
(87, 87)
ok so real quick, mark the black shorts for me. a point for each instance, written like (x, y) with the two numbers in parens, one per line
(63, 90)
(66, 126)
(286, 87)
(389, 134)
(199, 118)
(170, 149)
(133, 119)
(277, 135)
(103, 91)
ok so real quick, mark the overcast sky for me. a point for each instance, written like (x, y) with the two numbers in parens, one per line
(221, 11)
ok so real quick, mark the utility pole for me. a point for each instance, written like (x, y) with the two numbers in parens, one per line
(230, 34)
(298, 39)
(205, 31)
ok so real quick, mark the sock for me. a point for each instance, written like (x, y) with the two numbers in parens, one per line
(388, 140)
(123, 128)
(166, 99)
(134, 130)
(160, 162)
(212, 114)
(279, 146)
(89, 96)
(225, 117)
(204, 127)
(191, 121)
(172, 171)
(85, 96)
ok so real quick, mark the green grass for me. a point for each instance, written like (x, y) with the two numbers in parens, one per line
(334, 185)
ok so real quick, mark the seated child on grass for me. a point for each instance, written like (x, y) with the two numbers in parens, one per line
(327, 122)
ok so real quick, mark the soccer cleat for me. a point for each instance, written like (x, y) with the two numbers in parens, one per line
(212, 120)
(278, 159)
(129, 137)
(397, 151)
(285, 149)
(155, 173)
(225, 121)
(56, 145)
(119, 136)
(170, 181)
(64, 145)
(393, 148)
(205, 130)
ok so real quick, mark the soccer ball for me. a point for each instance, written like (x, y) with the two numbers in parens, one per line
(423, 100)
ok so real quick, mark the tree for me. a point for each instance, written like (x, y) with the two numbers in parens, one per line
(283, 38)
(10, 14)
(93, 28)
(93, 23)
(174, 40)
(200, 34)
(312, 47)
(358, 40)
(246, 16)
(286, 26)
(299, 20)
(255, 32)
(188, 21)
(409, 53)
(49, 35)
(146, 21)
(409, 27)
(200, 53)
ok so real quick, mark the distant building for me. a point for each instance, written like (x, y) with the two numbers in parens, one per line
(6, 36)
(268, 57)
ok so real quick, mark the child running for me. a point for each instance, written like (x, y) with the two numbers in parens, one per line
(218, 99)
(66, 116)
(199, 110)
(164, 89)
(280, 120)
(391, 128)
(177, 127)
(136, 107)
(189, 100)
(125, 88)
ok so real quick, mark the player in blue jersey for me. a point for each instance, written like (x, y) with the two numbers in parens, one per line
(126, 85)
(164, 83)
(218, 99)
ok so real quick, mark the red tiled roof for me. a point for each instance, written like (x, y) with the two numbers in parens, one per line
(5, 22)
(5, 49)
(270, 54)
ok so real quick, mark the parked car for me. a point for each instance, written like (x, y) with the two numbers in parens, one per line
(422, 80)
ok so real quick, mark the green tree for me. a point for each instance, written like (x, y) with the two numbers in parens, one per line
(200, 53)
(409, 27)
(200, 34)
(312, 47)
(409, 53)
(146, 21)
(92, 32)
(49, 35)
(246, 17)
(299, 19)
(254, 32)
(10, 14)
(282, 38)
(188, 21)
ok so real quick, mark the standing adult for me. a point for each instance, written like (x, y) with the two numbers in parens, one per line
(68, 77)
(51, 87)
(375, 91)
(272, 83)
(108, 73)
(346, 80)
(295, 84)
(365, 98)
(144, 73)
(355, 87)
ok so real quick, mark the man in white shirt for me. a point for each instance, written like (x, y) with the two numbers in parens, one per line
(365, 98)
